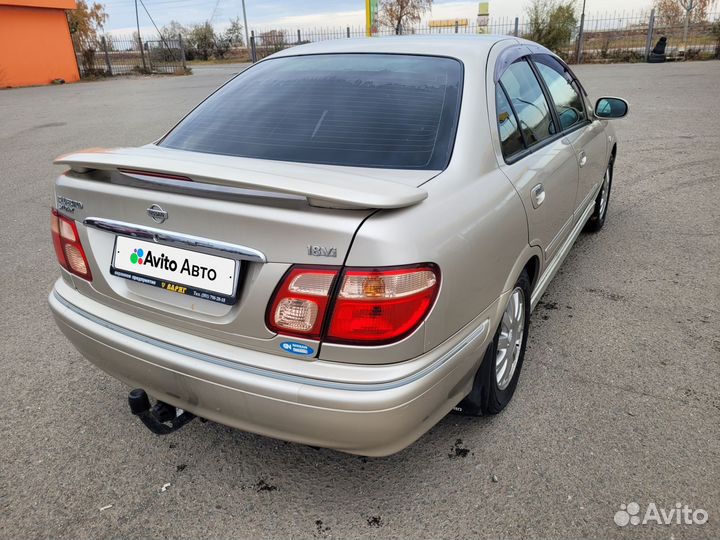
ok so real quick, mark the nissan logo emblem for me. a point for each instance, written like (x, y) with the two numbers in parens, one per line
(157, 214)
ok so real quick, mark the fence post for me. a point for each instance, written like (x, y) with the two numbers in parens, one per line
(578, 55)
(182, 52)
(348, 32)
(142, 52)
(149, 56)
(299, 40)
(456, 25)
(517, 25)
(253, 51)
(649, 39)
(107, 56)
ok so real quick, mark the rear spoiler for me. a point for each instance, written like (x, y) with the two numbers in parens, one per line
(326, 186)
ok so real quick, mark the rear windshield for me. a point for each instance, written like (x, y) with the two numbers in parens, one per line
(362, 110)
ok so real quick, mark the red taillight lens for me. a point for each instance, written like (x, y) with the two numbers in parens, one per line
(370, 307)
(69, 251)
(380, 306)
(300, 302)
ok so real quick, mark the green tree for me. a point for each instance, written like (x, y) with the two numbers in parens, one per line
(551, 23)
(398, 14)
(202, 39)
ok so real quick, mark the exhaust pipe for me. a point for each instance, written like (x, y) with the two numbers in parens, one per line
(157, 417)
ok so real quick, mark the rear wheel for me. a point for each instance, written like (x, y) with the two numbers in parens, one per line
(597, 219)
(495, 381)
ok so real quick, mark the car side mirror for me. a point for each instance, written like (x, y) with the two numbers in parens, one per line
(611, 107)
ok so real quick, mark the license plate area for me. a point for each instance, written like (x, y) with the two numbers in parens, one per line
(177, 270)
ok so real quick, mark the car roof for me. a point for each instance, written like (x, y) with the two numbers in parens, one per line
(462, 47)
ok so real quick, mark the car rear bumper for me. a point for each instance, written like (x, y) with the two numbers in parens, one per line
(373, 417)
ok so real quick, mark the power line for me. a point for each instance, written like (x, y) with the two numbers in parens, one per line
(212, 16)
(162, 38)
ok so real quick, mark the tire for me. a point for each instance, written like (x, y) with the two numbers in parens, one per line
(597, 219)
(492, 391)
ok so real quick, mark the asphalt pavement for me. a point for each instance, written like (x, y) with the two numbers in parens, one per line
(618, 401)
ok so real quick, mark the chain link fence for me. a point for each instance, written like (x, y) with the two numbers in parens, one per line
(624, 37)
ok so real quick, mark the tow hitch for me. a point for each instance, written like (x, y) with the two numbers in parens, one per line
(157, 417)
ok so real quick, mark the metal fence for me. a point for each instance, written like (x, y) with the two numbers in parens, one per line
(124, 55)
(617, 37)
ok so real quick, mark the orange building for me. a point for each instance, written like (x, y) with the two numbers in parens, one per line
(35, 44)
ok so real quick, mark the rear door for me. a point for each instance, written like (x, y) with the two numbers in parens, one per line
(537, 159)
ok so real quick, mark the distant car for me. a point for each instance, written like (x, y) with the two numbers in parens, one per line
(340, 245)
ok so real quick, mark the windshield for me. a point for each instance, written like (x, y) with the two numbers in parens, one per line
(361, 110)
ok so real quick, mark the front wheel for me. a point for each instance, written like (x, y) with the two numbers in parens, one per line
(495, 381)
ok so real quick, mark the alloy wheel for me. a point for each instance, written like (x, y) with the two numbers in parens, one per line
(510, 340)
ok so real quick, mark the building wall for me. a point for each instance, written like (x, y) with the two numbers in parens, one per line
(35, 44)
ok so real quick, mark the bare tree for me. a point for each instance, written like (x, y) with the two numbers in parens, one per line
(173, 29)
(672, 12)
(234, 33)
(689, 6)
(397, 14)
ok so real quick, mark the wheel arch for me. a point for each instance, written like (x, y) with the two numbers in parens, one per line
(530, 259)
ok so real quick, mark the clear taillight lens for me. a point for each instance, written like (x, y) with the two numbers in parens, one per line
(68, 249)
(300, 302)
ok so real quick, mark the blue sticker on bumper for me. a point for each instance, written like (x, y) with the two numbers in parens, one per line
(294, 347)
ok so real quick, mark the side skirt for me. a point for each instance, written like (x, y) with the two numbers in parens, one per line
(554, 266)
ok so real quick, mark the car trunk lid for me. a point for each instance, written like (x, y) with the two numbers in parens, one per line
(277, 214)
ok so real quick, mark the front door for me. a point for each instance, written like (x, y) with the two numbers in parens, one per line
(583, 130)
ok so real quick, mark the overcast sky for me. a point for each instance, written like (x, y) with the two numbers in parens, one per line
(291, 14)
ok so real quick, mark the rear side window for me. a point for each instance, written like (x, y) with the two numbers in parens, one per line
(528, 100)
(511, 140)
(567, 100)
(362, 110)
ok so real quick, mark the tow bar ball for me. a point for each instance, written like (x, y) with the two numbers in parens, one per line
(157, 417)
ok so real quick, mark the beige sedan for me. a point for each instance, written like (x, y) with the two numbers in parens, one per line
(340, 245)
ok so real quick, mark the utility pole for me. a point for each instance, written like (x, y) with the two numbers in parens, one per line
(578, 54)
(247, 35)
(142, 52)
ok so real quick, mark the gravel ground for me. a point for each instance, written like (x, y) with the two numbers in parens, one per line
(618, 400)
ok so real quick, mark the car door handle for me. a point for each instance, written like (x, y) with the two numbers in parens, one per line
(537, 195)
(583, 158)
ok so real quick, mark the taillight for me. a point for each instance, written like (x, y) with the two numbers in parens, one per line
(380, 306)
(369, 307)
(300, 302)
(69, 251)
